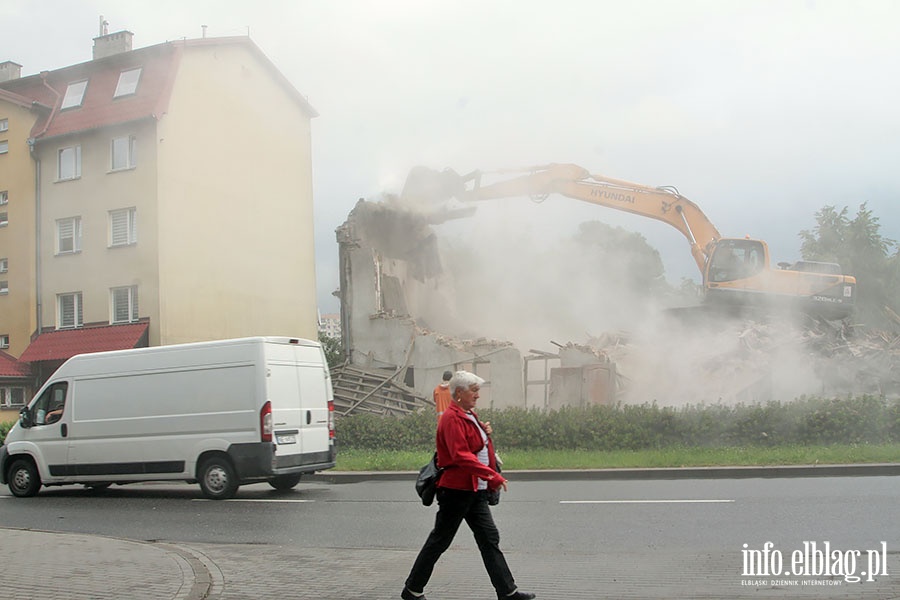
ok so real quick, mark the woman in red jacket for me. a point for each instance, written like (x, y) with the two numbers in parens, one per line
(466, 452)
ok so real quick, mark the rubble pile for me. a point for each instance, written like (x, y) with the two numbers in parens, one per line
(753, 361)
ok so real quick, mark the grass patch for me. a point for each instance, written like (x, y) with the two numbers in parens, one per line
(377, 460)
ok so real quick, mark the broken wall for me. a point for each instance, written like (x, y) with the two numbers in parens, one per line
(393, 304)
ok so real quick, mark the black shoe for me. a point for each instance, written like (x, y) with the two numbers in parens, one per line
(408, 595)
(518, 596)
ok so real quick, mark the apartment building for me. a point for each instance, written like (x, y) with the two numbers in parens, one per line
(168, 193)
(17, 216)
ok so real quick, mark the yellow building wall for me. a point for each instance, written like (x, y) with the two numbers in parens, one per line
(99, 267)
(236, 252)
(18, 312)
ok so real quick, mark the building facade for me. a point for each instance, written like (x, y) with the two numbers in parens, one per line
(167, 188)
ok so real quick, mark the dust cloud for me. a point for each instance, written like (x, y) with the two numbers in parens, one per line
(513, 277)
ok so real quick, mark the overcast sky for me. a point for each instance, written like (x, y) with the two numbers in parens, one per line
(761, 112)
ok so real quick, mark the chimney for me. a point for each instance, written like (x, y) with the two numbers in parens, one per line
(112, 43)
(9, 71)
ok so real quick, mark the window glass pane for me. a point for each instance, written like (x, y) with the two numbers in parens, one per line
(70, 162)
(4, 287)
(70, 313)
(4, 147)
(124, 304)
(4, 197)
(128, 81)
(4, 124)
(66, 311)
(74, 94)
(4, 219)
(17, 396)
(120, 305)
(69, 235)
(119, 153)
(122, 228)
(4, 265)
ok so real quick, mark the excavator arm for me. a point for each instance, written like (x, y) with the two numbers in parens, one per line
(663, 203)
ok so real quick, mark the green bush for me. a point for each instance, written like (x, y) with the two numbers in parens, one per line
(4, 429)
(807, 420)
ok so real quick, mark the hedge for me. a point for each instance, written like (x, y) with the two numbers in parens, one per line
(807, 420)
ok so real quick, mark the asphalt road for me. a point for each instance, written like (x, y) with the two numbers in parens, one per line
(688, 533)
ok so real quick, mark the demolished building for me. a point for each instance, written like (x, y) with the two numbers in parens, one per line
(399, 319)
(394, 312)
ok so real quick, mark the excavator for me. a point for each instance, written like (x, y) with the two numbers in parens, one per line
(736, 272)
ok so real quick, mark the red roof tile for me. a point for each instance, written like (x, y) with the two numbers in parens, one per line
(159, 65)
(99, 108)
(66, 343)
(10, 367)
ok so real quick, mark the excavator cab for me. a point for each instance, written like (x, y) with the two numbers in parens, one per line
(736, 259)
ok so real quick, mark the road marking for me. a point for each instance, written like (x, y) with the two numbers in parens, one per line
(645, 501)
(285, 500)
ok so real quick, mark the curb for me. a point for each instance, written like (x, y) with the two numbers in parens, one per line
(854, 470)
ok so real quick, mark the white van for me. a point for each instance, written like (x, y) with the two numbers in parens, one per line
(219, 413)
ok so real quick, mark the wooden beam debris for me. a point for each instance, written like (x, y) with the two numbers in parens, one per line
(358, 390)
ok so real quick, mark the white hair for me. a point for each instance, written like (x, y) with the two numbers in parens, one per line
(464, 379)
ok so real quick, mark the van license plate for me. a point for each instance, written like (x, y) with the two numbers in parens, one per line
(286, 439)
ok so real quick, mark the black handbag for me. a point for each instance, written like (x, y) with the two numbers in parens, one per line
(494, 495)
(426, 482)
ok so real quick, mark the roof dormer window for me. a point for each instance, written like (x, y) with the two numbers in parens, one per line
(74, 94)
(128, 82)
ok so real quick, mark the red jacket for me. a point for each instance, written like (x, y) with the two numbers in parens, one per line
(458, 443)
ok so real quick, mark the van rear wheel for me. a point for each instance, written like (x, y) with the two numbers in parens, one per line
(285, 482)
(24, 479)
(218, 480)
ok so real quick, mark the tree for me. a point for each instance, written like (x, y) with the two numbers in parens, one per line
(613, 250)
(333, 348)
(858, 246)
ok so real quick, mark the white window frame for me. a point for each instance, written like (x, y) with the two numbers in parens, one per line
(122, 227)
(4, 125)
(128, 295)
(4, 197)
(75, 224)
(6, 393)
(4, 341)
(77, 310)
(128, 82)
(62, 158)
(130, 153)
(74, 94)
(4, 265)
(4, 287)
(4, 147)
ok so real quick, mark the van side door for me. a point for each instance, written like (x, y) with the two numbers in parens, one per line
(48, 436)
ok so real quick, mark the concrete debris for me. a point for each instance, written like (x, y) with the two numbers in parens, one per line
(757, 362)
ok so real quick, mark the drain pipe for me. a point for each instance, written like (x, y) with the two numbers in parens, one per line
(37, 237)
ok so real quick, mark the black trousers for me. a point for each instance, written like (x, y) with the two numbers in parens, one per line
(454, 507)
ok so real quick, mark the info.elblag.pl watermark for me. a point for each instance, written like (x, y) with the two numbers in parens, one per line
(814, 563)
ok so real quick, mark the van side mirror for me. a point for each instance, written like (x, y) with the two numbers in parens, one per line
(25, 419)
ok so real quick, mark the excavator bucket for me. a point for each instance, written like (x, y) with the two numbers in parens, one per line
(426, 187)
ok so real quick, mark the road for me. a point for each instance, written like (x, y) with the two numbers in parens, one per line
(633, 539)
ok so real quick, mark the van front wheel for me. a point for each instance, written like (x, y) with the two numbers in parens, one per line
(284, 482)
(217, 478)
(24, 479)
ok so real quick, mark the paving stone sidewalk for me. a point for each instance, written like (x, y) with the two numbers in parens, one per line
(81, 567)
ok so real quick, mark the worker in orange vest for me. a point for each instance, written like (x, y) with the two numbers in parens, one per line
(442, 395)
